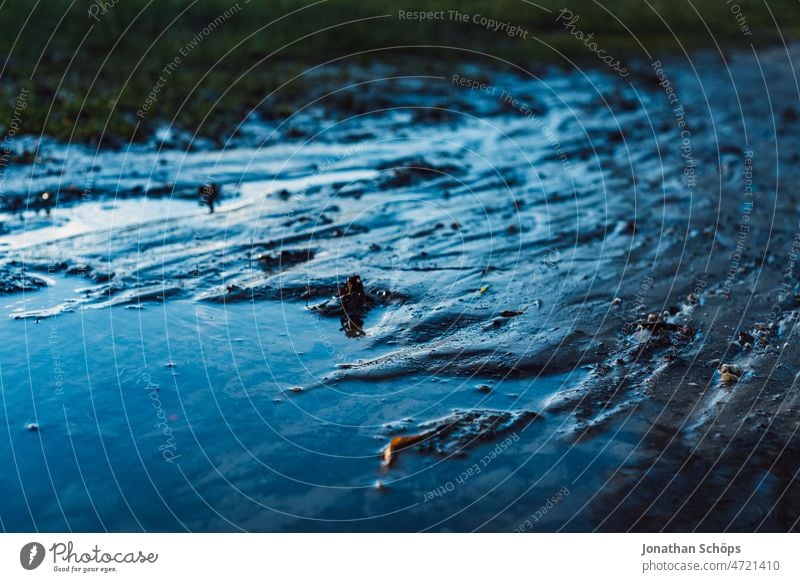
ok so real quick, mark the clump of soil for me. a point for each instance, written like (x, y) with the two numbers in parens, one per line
(460, 430)
(14, 279)
(285, 259)
(351, 304)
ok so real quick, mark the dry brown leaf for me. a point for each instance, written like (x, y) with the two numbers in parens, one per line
(399, 443)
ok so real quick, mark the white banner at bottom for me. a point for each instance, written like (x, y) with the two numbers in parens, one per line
(406, 557)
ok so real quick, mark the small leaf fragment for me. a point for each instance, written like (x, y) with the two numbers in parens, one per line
(399, 443)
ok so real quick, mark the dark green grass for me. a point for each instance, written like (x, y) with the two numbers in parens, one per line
(88, 77)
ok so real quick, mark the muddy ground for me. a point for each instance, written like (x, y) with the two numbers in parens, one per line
(565, 279)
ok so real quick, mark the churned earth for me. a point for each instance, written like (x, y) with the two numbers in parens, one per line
(502, 301)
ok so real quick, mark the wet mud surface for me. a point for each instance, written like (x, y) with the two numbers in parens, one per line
(437, 313)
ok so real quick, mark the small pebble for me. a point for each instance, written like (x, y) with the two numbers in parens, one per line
(32, 426)
(728, 378)
(730, 369)
(484, 388)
